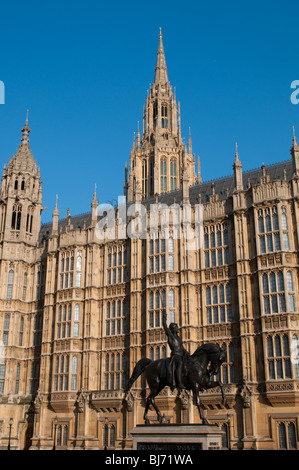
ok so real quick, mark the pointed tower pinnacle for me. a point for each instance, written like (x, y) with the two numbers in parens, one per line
(237, 166)
(161, 75)
(294, 137)
(55, 219)
(94, 205)
(199, 179)
(126, 182)
(26, 131)
(295, 154)
(190, 141)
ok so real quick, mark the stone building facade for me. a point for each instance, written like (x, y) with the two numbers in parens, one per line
(80, 305)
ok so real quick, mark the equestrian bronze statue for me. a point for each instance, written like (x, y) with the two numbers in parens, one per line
(182, 371)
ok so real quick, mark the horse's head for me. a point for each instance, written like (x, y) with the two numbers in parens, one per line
(222, 356)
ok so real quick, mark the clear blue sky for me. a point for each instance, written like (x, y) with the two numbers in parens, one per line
(83, 70)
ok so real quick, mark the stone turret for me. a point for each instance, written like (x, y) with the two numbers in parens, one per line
(21, 193)
(157, 157)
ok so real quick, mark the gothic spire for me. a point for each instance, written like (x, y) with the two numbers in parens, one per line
(237, 166)
(295, 154)
(161, 75)
(26, 131)
(23, 158)
(56, 211)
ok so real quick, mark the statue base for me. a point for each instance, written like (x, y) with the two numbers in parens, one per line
(176, 437)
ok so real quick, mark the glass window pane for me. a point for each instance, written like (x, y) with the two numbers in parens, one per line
(277, 346)
(215, 295)
(225, 237)
(290, 281)
(274, 304)
(286, 241)
(261, 224)
(270, 351)
(215, 314)
(292, 436)
(265, 284)
(284, 223)
(228, 293)
(282, 436)
(269, 242)
(280, 283)
(279, 369)
(170, 263)
(282, 303)
(275, 221)
(267, 304)
(292, 303)
(208, 296)
(271, 370)
(221, 294)
(272, 282)
(262, 244)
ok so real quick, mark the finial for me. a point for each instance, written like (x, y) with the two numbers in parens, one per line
(236, 150)
(26, 131)
(94, 199)
(56, 212)
(294, 137)
(160, 35)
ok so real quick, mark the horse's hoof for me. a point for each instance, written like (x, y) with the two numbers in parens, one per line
(205, 421)
(146, 421)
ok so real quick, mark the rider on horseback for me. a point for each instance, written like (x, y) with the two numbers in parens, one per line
(178, 354)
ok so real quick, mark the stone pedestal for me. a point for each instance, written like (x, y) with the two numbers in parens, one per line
(176, 437)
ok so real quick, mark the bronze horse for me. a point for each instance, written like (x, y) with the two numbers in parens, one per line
(196, 376)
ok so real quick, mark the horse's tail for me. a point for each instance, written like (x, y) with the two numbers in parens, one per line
(138, 369)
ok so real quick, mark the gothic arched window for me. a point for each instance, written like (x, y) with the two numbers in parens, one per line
(278, 353)
(76, 320)
(16, 217)
(74, 373)
(10, 283)
(144, 177)
(172, 175)
(164, 123)
(163, 175)
(171, 306)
